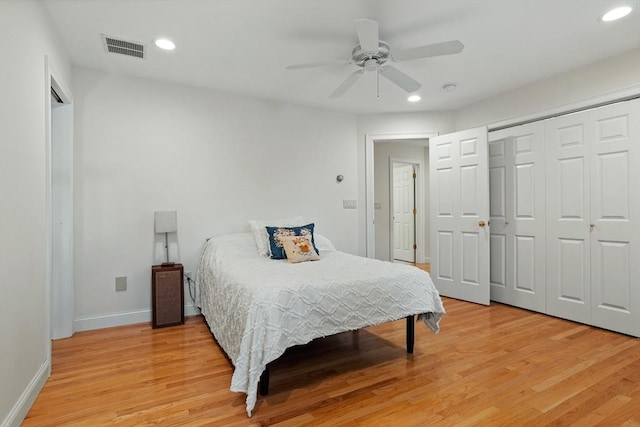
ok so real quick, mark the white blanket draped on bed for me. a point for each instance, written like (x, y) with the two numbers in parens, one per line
(257, 307)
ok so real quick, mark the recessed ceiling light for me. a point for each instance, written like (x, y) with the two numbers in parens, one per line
(165, 44)
(617, 13)
(449, 87)
(414, 98)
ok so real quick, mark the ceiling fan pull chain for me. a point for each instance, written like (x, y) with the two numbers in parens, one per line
(378, 82)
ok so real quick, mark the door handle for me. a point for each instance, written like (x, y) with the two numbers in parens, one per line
(481, 224)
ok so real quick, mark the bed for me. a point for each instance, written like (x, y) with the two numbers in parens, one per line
(257, 307)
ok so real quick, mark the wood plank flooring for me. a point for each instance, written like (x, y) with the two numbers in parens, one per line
(489, 366)
(426, 267)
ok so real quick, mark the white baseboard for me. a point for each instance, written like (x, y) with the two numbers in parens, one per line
(427, 260)
(24, 403)
(121, 319)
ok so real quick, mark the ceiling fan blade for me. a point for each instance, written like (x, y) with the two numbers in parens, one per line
(399, 78)
(436, 49)
(319, 64)
(368, 35)
(345, 85)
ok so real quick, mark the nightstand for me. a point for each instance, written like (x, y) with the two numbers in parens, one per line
(167, 295)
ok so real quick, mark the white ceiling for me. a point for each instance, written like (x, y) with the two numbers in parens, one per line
(243, 46)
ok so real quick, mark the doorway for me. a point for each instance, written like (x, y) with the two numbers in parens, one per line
(379, 150)
(60, 224)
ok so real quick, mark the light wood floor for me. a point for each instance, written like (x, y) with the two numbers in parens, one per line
(489, 366)
(426, 267)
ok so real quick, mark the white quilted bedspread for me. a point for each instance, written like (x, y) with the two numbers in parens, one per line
(257, 307)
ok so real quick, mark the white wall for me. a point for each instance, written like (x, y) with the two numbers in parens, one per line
(399, 123)
(25, 38)
(383, 151)
(218, 159)
(592, 81)
(144, 146)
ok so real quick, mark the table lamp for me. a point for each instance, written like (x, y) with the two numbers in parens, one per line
(166, 222)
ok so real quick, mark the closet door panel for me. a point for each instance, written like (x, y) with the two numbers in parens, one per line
(614, 259)
(572, 276)
(571, 194)
(525, 190)
(568, 167)
(516, 158)
(498, 202)
(615, 217)
(525, 274)
(497, 271)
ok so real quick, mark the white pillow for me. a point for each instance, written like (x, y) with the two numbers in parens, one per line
(322, 243)
(260, 235)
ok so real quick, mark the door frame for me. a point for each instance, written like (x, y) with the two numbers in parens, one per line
(369, 140)
(418, 204)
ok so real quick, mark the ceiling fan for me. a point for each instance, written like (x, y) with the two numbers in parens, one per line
(372, 54)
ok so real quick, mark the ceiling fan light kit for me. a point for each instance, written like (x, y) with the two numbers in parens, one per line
(372, 54)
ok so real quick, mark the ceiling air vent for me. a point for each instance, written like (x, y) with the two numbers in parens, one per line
(123, 47)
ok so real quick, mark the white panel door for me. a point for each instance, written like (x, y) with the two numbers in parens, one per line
(517, 206)
(615, 217)
(568, 204)
(403, 213)
(459, 195)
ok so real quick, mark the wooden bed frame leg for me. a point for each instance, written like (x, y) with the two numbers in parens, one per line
(410, 333)
(264, 382)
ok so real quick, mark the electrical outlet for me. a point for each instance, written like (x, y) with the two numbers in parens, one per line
(121, 283)
(189, 274)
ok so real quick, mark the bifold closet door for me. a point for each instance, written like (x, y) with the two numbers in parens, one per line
(593, 217)
(517, 206)
(568, 204)
(615, 217)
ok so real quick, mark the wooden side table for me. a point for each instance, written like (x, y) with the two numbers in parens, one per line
(167, 294)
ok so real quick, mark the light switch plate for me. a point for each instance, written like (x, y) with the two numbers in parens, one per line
(350, 204)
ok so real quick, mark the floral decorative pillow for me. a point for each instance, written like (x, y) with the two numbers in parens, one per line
(276, 234)
(299, 249)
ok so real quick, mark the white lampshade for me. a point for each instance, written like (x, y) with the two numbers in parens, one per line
(166, 222)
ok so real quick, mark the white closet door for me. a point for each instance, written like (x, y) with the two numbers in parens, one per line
(517, 186)
(459, 214)
(615, 217)
(568, 204)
